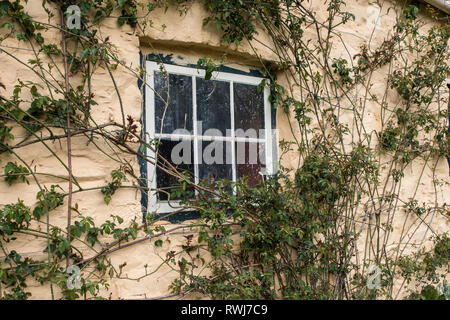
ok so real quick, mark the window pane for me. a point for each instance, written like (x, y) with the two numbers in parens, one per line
(182, 158)
(250, 161)
(178, 114)
(213, 106)
(216, 161)
(248, 107)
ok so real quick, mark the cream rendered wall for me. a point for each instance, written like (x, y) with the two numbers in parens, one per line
(183, 35)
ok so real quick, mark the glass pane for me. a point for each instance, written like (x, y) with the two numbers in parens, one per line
(216, 161)
(180, 154)
(250, 159)
(213, 107)
(178, 114)
(248, 107)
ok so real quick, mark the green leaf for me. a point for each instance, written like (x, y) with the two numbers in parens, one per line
(63, 246)
(158, 243)
(429, 293)
(4, 6)
(107, 199)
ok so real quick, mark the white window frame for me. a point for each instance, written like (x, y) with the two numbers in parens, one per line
(155, 206)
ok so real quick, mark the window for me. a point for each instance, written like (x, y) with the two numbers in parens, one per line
(215, 129)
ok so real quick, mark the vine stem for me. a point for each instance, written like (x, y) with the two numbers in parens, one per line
(69, 148)
(110, 248)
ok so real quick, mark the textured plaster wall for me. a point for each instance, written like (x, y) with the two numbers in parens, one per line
(183, 36)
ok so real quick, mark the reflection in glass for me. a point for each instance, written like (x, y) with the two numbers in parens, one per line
(213, 105)
(216, 163)
(248, 107)
(182, 150)
(248, 162)
(178, 114)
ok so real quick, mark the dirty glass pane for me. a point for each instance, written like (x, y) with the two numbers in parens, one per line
(250, 161)
(213, 106)
(182, 158)
(178, 114)
(248, 107)
(216, 161)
